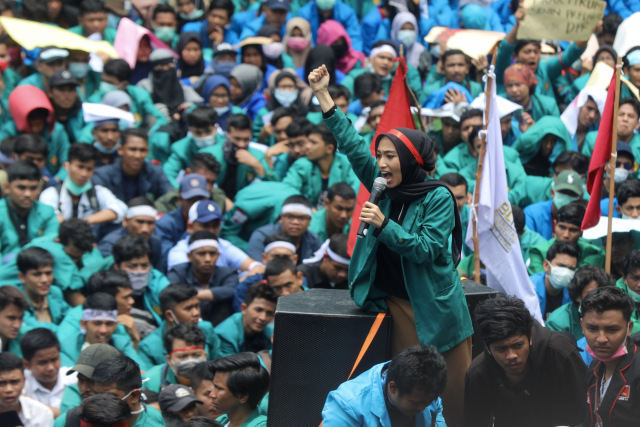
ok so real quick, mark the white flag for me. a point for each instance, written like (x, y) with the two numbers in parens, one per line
(499, 244)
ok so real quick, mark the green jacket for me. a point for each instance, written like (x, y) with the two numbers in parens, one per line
(71, 347)
(305, 176)
(142, 107)
(244, 174)
(515, 171)
(159, 376)
(231, 333)
(151, 417)
(58, 307)
(57, 145)
(566, 318)
(542, 105)
(41, 221)
(159, 147)
(422, 241)
(413, 80)
(70, 325)
(534, 189)
(319, 224)
(590, 142)
(70, 399)
(547, 72)
(635, 316)
(11, 80)
(589, 255)
(474, 88)
(529, 142)
(256, 205)
(169, 202)
(182, 151)
(109, 34)
(254, 420)
(151, 349)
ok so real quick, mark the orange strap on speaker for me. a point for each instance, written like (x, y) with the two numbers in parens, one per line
(367, 342)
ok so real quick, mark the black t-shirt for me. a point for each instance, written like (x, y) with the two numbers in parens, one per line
(129, 186)
(389, 276)
(553, 302)
(397, 418)
(229, 185)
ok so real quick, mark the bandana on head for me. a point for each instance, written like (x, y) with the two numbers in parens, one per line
(520, 73)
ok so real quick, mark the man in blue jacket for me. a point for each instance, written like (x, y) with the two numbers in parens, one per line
(403, 391)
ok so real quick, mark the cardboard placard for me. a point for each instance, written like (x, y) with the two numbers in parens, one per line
(568, 20)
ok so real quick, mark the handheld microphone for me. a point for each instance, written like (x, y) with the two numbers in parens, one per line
(379, 185)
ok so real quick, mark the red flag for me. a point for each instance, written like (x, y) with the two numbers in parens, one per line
(397, 113)
(599, 158)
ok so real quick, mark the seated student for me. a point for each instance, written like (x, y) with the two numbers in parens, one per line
(628, 115)
(625, 165)
(367, 89)
(216, 92)
(628, 198)
(87, 79)
(214, 29)
(551, 284)
(202, 126)
(132, 254)
(238, 399)
(613, 377)
(92, 20)
(165, 24)
(206, 215)
(49, 60)
(290, 149)
(621, 245)
(249, 330)
(334, 217)
(63, 94)
(33, 114)
(140, 220)
(240, 164)
(13, 304)
(246, 81)
(47, 306)
(203, 164)
(372, 121)
(179, 304)
(201, 381)
(188, 12)
(185, 348)
(45, 380)
(460, 189)
(105, 133)
(541, 144)
(567, 229)
(515, 381)
(104, 409)
(77, 197)
(29, 411)
(321, 167)
(630, 284)
(23, 218)
(520, 84)
(275, 131)
(567, 188)
(295, 218)
(458, 156)
(116, 75)
(99, 321)
(404, 390)
(567, 317)
(455, 69)
(31, 148)
(133, 176)
(74, 394)
(178, 401)
(281, 276)
(171, 227)
(215, 284)
(329, 267)
(120, 376)
(583, 115)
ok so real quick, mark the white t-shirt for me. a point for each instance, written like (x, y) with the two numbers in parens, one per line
(34, 389)
(34, 414)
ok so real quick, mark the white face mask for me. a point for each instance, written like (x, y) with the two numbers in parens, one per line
(628, 217)
(620, 175)
(560, 277)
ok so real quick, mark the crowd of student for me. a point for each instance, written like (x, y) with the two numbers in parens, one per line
(155, 207)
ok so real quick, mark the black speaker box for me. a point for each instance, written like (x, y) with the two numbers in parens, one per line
(318, 336)
(474, 293)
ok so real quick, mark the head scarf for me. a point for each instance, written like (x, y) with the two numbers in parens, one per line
(328, 33)
(416, 152)
(117, 99)
(570, 115)
(473, 17)
(23, 100)
(520, 73)
(209, 85)
(167, 89)
(268, 30)
(303, 25)
(318, 56)
(412, 54)
(304, 95)
(189, 70)
(249, 78)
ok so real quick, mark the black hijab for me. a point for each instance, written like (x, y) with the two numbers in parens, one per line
(166, 86)
(268, 30)
(189, 70)
(413, 147)
(319, 56)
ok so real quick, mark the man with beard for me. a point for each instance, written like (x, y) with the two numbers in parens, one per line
(63, 94)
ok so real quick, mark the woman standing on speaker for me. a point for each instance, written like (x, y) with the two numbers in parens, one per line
(406, 265)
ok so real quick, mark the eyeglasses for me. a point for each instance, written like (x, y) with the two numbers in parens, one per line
(627, 166)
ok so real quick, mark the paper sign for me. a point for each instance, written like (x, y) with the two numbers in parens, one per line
(474, 43)
(601, 77)
(570, 20)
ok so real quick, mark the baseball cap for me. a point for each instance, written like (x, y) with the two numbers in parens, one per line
(204, 211)
(623, 147)
(278, 4)
(193, 185)
(52, 53)
(62, 78)
(91, 357)
(175, 398)
(569, 180)
(224, 48)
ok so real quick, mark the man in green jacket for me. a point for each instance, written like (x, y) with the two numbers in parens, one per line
(93, 19)
(628, 115)
(50, 59)
(334, 217)
(22, 217)
(13, 304)
(455, 68)
(321, 168)
(630, 284)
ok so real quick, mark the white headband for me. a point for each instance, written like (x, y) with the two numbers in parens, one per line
(279, 244)
(325, 250)
(337, 258)
(296, 208)
(203, 243)
(143, 210)
(385, 48)
(94, 314)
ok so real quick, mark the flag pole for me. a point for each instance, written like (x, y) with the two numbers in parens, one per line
(479, 171)
(612, 167)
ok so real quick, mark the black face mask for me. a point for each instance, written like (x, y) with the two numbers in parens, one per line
(229, 150)
(340, 50)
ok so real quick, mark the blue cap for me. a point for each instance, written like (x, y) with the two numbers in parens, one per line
(278, 4)
(204, 211)
(623, 147)
(193, 185)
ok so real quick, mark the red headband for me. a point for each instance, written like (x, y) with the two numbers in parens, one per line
(186, 349)
(407, 142)
(84, 423)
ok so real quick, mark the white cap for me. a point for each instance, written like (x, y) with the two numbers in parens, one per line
(101, 112)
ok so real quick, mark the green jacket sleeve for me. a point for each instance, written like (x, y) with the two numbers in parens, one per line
(553, 67)
(415, 83)
(144, 101)
(174, 165)
(296, 173)
(353, 146)
(505, 55)
(231, 231)
(536, 258)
